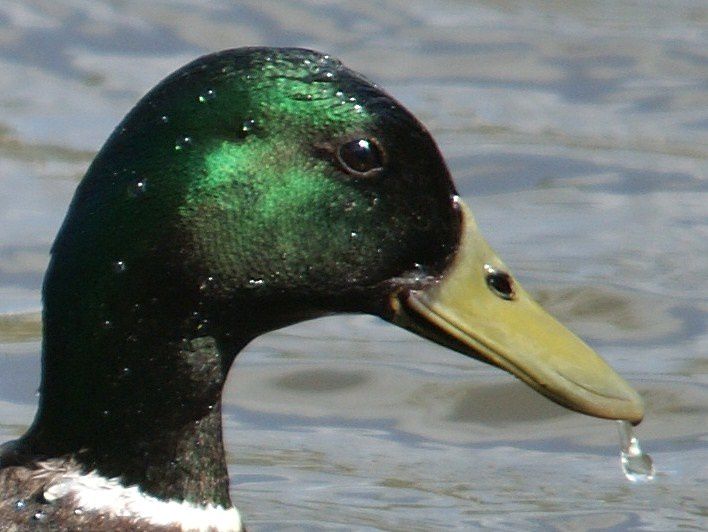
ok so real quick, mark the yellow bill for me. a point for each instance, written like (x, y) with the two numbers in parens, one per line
(478, 309)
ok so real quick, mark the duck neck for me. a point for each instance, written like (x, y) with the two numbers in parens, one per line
(135, 395)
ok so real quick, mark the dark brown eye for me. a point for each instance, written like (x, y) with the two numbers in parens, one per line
(501, 283)
(360, 157)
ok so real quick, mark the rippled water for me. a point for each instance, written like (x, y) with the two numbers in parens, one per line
(577, 131)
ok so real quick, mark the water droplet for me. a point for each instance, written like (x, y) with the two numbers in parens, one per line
(207, 284)
(106, 413)
(255, 283)
(164, 119)
(322, 74)
(207, 96)
(420, 272)
(107, 324)
(311, 67)
(20, 505)
(248, 125)
(183, 143)
(636, 464)
(137, 187)
(119, 266)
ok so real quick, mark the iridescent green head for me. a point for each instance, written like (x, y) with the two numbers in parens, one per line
(261, 173)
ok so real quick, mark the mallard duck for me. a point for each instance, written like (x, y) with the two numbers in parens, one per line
(251, 189)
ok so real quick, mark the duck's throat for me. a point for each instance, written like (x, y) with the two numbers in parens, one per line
(187, 464)
(138, 402)
(184, 465)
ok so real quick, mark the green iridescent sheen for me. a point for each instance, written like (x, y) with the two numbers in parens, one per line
(266, 184)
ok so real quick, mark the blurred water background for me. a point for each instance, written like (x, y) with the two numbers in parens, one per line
(578, 133)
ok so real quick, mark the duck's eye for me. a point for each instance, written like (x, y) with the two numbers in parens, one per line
(501, 283)
(361, 157)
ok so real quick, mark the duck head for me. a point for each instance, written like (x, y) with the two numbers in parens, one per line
(252, 189)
